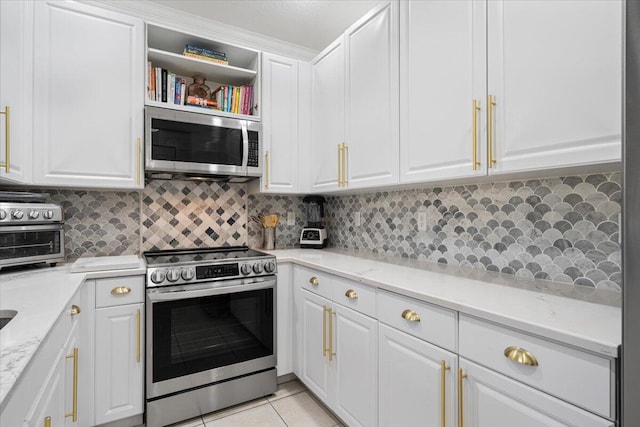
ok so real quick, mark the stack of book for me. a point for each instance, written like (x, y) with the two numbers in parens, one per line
(234, 99)
(205, 54)
(165, 86)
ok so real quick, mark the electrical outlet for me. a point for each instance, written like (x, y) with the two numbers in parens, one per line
(357, 219)
(291, 218)
(422, 221)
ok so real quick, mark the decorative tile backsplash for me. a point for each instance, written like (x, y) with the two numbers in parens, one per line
(187, 214)
(99, 223)
(287, 236)
(561, 229)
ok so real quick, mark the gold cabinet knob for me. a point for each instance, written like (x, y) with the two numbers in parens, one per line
(120, 290)
(314, 281)
(410, 315)
(47, 422)
(520, 355)
(75, 310)
(351, 294)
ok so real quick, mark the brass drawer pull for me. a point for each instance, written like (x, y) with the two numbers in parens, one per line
(7, 147)
(411, 316)
(461, 376)
(74, 412)
(47, 422)
(138, 336)
(314, 281)
(476, 108)
(443, 392)
(75, 310)
(491, 102)
(521, 356)
(324, 330)
(120, 290)
(351, 294)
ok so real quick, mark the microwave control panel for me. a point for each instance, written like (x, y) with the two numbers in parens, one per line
(254, 151)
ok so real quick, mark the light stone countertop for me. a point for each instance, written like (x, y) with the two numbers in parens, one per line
(515, 303)
(39, 296)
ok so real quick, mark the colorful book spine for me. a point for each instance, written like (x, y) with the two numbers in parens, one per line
(164, 85)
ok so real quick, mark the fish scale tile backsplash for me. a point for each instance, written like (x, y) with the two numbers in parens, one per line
(560, 229)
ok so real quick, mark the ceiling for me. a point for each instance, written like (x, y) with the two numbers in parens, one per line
(309, 23)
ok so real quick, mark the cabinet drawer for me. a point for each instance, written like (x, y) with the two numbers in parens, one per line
(314, 281)
(358, 297)
(578, 377)
(119, 291)
(436, 325)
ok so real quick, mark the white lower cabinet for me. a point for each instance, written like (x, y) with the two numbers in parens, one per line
(119, 358)
(493, 400)
(48, 409)
(315, 362)
(417, 381)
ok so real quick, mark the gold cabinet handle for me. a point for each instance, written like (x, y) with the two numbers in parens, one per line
(339, 165)
(521, 356)
(266, 171)
(331, 352)
(74, 412)
(443, 392)
(324, 330)
(351, 294)
(490, 131)
(138, 336)
(75, 310)
(138, 163)
(476, 108)
(7, 135)
(47, 422)
(344, 164)
(410, 315)
(461, 376)
(120, 290)
(314, 281)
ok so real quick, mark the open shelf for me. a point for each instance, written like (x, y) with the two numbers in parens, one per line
(201, 110)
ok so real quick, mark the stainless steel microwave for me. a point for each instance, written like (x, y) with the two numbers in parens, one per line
(193, 144)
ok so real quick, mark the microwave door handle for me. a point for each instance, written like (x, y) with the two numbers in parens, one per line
(245, 148)
(197, 293)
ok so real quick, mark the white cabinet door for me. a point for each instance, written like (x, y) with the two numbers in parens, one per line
(371, 89)
(315, 364)
(119, 362)
(410, 390)
(327, 116)
(355, 367)
(554, 68)
(89, 96)
(492, 400)
(285, 305)
(49, 405)
(16, 74)
(442, 72)
(280, 124)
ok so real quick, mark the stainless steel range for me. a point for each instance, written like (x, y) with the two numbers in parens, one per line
(211, 322)
(31, 230)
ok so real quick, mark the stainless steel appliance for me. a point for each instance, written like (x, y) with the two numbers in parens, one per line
(314, 234)
(31, 231)
(211, 331)
(200, 145)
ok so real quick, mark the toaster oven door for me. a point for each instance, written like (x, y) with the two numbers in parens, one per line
(30, 244)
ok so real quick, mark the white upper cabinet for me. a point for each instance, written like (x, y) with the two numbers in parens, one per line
(371, 89)
(327, 117)
(442, 89)
(280, 124)
(554, 70)
(16, 74)
(89, 81)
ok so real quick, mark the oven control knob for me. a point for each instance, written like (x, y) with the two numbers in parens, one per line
(34, 215)
(157, 276)
(187, 274)
(270, 267)
(257, 268)
(48, 214)
(17, 214)
(173, 275)
(245, 269)
(3, 214)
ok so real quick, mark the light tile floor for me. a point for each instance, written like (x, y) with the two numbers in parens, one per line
(290, 406)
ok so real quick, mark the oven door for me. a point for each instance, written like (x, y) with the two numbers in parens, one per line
(192, 143)
(30, 244)
(204, 333)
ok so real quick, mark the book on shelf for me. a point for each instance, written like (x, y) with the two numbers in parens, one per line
(204, 51)
(206, 58)
(165, 74)
(234, 99)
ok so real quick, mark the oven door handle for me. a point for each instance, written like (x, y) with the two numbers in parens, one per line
(157, 295)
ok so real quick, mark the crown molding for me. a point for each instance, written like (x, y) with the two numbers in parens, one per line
(163, 16)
